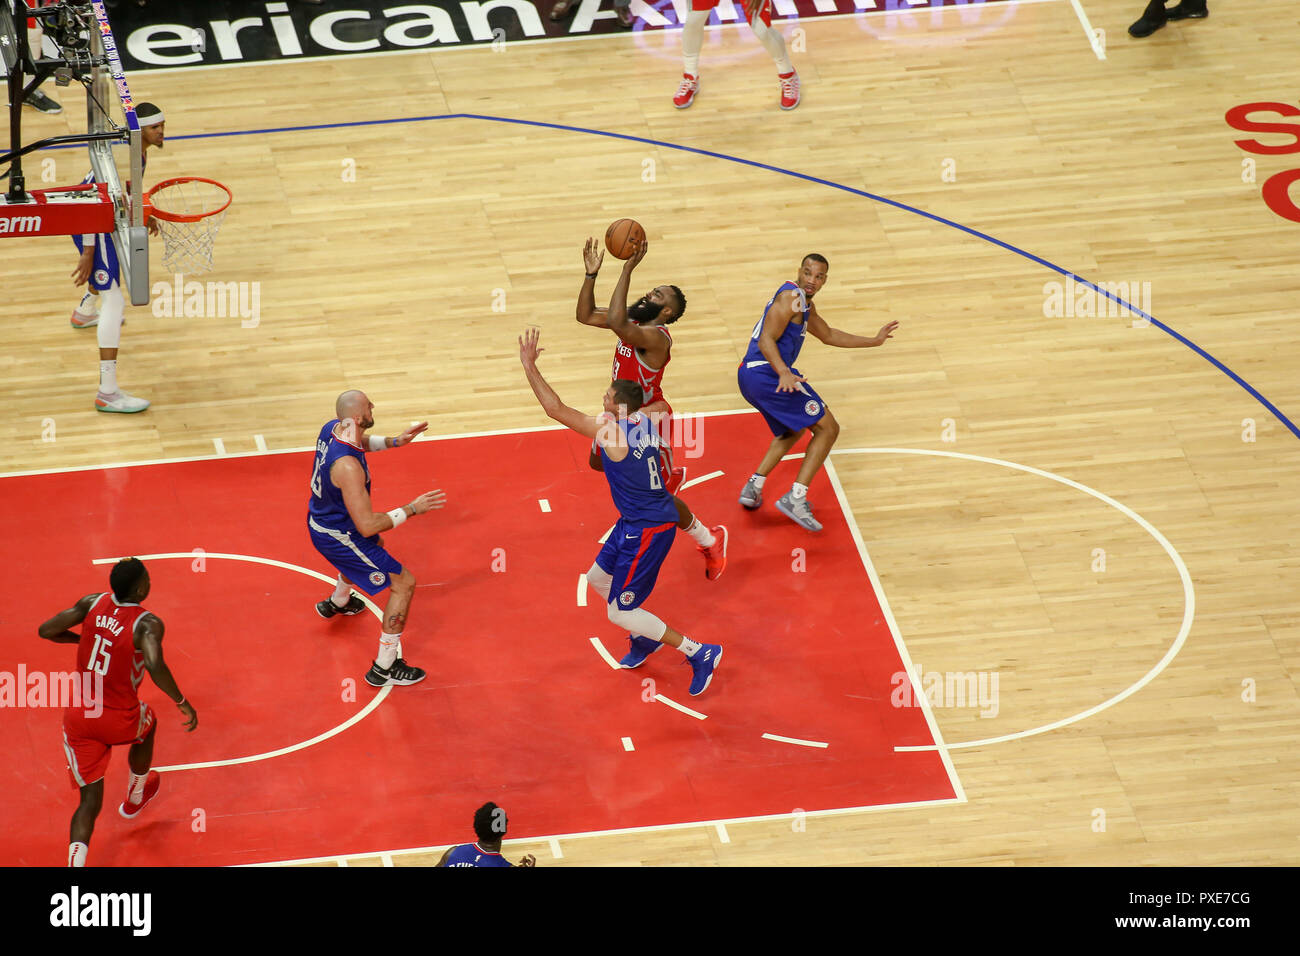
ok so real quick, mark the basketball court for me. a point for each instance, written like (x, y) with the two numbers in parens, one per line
(1052, 619)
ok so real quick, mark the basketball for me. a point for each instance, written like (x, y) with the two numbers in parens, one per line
(622, 236)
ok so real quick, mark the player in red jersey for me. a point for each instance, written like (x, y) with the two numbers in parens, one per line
(119, 642)
(759, 15)
(643, 352)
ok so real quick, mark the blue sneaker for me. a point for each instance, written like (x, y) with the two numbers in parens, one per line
(704, 663)
(642, 647)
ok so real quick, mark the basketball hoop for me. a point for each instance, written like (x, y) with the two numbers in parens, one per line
(188, 211)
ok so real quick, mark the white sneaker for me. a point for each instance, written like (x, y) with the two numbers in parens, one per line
(798, 510)
(119, 401)
(81, 320)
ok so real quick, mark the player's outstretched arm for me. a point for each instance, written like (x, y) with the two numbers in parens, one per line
(148, 641)
(348, 477)
(846, 340)
(528, 860)
(529, 350)
(637, 336)
(587, 313)
(778, 317)
(379, 443)
(56, 628)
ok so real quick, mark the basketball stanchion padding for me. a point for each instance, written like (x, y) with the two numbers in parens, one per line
(188, 211)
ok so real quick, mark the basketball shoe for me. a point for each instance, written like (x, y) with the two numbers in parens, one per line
(704, 663)
(401, 673)
(798, 510)
(1188, 10)
(642, 647)
(42, 103)
(686, 92)
(130, 811)
(121, 402)
(675, 479)
(715, 556)
(789, 90)
(751, 496)
(327, 608)
(82, 319)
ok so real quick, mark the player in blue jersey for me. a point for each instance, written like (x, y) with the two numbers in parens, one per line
(103, 305)
(627, 566)
(490, 828)
(769, 381)
(345, 529)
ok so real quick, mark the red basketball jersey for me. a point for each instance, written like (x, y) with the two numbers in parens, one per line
(108, 648)
(629, 365)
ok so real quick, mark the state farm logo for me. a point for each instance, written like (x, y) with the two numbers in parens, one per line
(1276, 189)
(15, 224)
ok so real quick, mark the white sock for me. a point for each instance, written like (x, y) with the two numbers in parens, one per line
(689, 647)
(89, 304)
(389, 645)
(774, 43)
(702, 535)
(77, 854)
(798, 491)
(758, 481)
(108, 376)
(135, 785)
(342, 591)
(693, 41)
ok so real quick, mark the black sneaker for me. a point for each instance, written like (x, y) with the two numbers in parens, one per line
(1188, 10)
(401, 673)
(42, 103)
(327, 608)
(1152, 19)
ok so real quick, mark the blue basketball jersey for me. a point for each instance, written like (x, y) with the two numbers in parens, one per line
(471, 854)
(326, 506)
(635, 483)
(790, 341)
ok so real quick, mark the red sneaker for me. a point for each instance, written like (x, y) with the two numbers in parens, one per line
(130, 811)
(675, 479)
(789, 91)
(686, 92)
(715, 557)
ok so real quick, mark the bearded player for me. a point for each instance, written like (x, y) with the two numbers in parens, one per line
(643, 352)
(769, 381)
(119, 641)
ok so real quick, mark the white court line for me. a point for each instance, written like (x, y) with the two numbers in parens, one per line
(426, 437)
(722, 832)
(676, 706)
(1094, 41)
(555, 849)
(879, 588)
(343, 861)
(626, 831)
(387, 858)
(582, 590)
(627, 744)
(600, 649)
(703, 478)
(1189, 593)
(355, 718)
(220, 446)
(259, 443)
(544, 505)
(795, 740)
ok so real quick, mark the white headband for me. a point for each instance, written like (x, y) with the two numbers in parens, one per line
(151, 120)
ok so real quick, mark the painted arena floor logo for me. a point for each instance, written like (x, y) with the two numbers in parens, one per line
(247, 31)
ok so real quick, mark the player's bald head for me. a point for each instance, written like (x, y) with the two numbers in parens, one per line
(351, 404)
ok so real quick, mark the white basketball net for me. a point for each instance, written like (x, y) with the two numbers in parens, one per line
(187, 246)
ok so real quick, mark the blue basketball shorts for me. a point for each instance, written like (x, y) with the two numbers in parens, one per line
(784, 411)
(360, 560)
(632, 556)
(104, 272)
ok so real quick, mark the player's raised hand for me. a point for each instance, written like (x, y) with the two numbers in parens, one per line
(429, 501)
(638, 253)
(593, 254)
(408, 436)
(528, 860)
(528, 347)
(789, 382)
(190, 714)
(886, 332)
